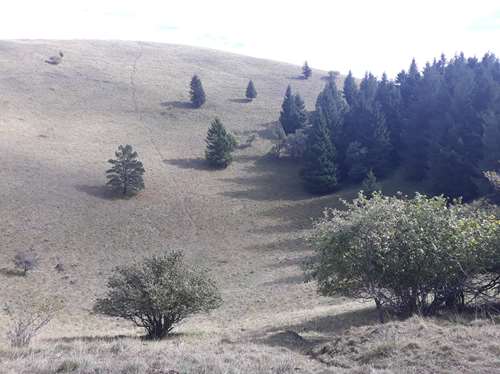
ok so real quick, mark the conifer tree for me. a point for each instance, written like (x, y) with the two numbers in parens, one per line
(306, 71)
(356, 161)
(220, 145)
(370, 184)
(319, 173)
(196, 92)
(288, 110)
(126, 173)
(300, 115)
(334, 107)
(350, 89)
(251, 92)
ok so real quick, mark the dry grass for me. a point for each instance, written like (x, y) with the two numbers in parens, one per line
(416, 346)
(60, 124)
(132, 356)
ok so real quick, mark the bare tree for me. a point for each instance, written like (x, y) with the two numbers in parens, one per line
(28, 315)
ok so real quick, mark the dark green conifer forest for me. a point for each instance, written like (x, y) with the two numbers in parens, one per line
(439, 124)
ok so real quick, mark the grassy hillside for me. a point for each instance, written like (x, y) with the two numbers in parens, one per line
(59, 125)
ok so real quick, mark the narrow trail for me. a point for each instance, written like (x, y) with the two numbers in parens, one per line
(157, 149)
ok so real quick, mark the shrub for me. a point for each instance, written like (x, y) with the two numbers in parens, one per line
(28, 315)
(26, 261)
(494, 180)
(220, 145)
(158, 293)
(408, 255)
(126, 174)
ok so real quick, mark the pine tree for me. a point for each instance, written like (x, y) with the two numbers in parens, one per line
(350, 90)
(370, 184)
(288, 115)
(300, 115)
(251, 92)
(306, 71)
(356, 161)
(126, 173)
(319, 173)
(334, 108)
(220, 145)
(389, 99)
(196, 92)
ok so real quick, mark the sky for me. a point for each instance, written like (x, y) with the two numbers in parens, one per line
(370, 35)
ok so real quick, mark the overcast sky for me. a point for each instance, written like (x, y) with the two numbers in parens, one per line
(381, 35)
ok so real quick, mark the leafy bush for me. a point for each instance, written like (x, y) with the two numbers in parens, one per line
(158, 293)
(494, 180)
(408, 255)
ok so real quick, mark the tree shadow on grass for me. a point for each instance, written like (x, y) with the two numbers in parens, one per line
(240, 101)
(293, 279)
(189, 163)
(109, 338)
(327, 326)
(177, 104)
(11, 272)
(101, 192)
(266, 179)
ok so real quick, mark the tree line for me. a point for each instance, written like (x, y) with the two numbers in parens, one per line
(440, 125)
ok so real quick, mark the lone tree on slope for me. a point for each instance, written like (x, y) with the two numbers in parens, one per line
(251, 92)
(158, 293)
(126, 173)
(196, 92)
(306, 71)
(220, 144)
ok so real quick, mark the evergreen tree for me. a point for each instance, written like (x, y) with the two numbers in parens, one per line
(356, 161)
(287, 111)
(350, 89)
(306, 71)
(220, 145)
(126, 173)
(389, 99)
(334, 107)
(251, 92)
(293, 114)
(319, 173)
(300, 115)
(370, 184)
(456, 145)
(196, 92)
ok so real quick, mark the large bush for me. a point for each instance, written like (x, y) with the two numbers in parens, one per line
(158, 293)
(408, 255)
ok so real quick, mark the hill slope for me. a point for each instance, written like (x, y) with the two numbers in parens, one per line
(59, 125)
